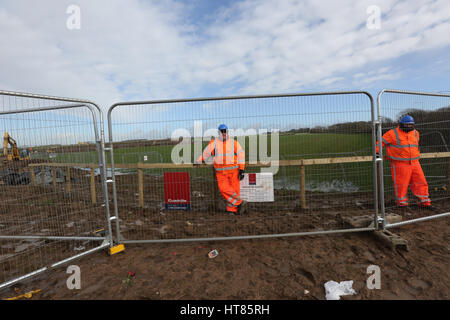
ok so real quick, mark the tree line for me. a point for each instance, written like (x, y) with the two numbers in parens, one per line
(433, 126)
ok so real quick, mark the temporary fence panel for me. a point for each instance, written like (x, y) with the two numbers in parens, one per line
(431, 113)
(311, 153)
(53, 207)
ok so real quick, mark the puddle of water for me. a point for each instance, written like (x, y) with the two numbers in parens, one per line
(319, 186)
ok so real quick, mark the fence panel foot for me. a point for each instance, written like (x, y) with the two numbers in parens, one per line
(391, 240)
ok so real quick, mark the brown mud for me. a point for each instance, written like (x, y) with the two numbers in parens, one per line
(275, 268)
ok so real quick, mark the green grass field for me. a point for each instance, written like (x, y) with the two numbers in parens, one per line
(296, 146)
(290, 147)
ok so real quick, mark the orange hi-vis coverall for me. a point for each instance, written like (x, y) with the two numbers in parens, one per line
(403, 151)
(229, 158)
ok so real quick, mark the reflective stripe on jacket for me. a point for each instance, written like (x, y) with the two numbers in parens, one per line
(400, 145)
(227, 154)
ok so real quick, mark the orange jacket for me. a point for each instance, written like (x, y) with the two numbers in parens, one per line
(227, 154)
(400, 145)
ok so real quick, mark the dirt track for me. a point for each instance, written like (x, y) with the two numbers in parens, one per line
(262, 269)
(277, 268)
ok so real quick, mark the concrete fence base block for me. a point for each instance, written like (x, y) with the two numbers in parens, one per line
(393, 218)
(391, 240)
(359, 221)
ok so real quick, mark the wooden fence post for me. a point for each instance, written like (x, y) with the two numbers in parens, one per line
(93, 196)
(141, 184)
(215, 190)
(54, 177)
(43, 176)
(68, 182)
(302, 187)
(33, 176)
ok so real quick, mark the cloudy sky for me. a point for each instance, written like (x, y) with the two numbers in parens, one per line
(146, 50)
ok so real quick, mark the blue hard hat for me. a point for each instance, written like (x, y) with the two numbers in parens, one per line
(407, 119)
(223, 127)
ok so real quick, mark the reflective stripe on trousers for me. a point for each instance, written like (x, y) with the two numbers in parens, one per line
(229, 187)
(409, 174)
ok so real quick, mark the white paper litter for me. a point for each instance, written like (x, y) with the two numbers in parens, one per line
(334, 290)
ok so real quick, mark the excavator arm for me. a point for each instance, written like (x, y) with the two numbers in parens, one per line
(12, 172)
(15, 154)
(5, 144)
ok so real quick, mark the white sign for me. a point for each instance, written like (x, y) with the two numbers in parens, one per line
(257, 187)
(145, 158)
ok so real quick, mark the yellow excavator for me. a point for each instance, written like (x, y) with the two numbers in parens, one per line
(15, 154)
(12, 175)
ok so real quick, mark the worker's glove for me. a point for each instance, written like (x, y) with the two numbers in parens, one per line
(241, 174)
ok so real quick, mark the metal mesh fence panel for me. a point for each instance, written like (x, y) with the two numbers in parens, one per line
(311, 154)
(431, 113)
(52, 201)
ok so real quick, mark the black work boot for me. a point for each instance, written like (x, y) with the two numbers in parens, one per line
(242, 208)
(428, 208)
(403, 209)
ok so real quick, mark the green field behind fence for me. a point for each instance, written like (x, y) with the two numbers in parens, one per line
(291, 147)
(295, 146)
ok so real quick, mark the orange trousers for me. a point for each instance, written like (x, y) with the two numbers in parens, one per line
(229, 187)
(409, 173)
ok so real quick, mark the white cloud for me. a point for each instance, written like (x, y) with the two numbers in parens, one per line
(380, 76)
(147, 50)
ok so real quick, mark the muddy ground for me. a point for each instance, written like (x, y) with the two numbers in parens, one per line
(278, 268)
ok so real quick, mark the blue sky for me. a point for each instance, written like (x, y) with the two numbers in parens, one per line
(150, 50)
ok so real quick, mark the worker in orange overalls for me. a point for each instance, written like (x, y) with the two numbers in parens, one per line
(229, 162)
(402, 146)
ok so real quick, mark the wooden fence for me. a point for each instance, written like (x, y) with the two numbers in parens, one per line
(300, 163)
